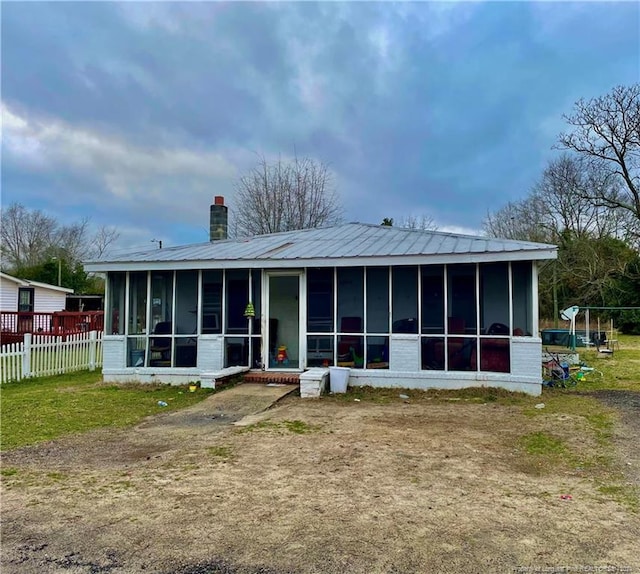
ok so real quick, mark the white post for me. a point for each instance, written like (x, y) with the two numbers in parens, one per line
(93, 343)
(26, 356)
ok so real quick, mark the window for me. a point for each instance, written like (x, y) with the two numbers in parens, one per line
(25, 299)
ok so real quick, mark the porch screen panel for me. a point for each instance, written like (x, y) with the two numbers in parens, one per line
(116, 304)
(212, 301)
(494, 299)
(237, 291)
(377, 299)
(256, 298)
(351, 299)
(186, 319)
(320, 300)
(405, 299)
(161, 301)
(462, 299)
(186, 302)
(432, 288)
(137, 302)
(522, 298)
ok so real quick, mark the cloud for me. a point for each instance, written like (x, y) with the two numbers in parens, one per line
(140, 112)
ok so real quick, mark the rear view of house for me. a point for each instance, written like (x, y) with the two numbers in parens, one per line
(417, 309)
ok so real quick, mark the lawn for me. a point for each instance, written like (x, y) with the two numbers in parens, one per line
(40, 409)
(373, 481)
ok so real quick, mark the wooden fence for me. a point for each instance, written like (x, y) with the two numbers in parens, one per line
(44, 355)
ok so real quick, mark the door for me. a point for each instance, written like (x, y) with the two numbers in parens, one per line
(284, 348)
(26, 296)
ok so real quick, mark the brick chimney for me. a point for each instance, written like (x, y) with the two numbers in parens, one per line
(218, 219)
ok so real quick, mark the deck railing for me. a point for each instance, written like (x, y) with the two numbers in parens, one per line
(14, 324)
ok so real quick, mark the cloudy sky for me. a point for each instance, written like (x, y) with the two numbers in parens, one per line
(137, 114)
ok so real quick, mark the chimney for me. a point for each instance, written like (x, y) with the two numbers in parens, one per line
(218, 219)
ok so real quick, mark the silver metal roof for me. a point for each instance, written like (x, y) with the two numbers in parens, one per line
(341, 245)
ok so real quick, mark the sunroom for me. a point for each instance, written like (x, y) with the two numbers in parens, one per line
(398, 307)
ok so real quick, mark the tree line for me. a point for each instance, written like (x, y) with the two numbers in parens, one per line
(38, 247)
(587, 202)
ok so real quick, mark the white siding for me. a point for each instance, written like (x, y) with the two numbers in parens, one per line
(8, 295)
(47, 300)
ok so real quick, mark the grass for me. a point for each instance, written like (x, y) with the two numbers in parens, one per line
(295, 426)
(42, 409)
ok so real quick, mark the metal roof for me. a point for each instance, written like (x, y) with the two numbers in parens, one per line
(341, 245)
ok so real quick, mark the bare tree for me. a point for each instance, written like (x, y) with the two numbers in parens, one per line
(421, 223)
(30, 238)
(606, 135)
(285, 196)
(26, 235)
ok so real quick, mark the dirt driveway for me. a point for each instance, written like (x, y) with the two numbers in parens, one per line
(314, 486)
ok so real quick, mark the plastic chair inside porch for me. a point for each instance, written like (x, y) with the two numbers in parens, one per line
(160, 347)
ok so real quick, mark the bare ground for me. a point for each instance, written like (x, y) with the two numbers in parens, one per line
(402, 486)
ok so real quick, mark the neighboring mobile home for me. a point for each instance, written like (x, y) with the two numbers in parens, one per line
(31, 296)
(405, 308)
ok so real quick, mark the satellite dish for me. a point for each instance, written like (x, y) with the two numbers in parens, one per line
(569, 313)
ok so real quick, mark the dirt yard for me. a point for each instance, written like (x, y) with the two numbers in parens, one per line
(380, 485)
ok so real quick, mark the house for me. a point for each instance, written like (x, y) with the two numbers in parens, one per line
(32, 307)
(405, 308)
(31, 296)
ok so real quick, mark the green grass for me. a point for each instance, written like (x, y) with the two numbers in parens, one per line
(295, 426)
(221, 452)
(42, 409)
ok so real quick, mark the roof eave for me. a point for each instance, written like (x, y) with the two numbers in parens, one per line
(374, 261)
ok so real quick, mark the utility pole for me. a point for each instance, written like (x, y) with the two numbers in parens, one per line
(59, 260)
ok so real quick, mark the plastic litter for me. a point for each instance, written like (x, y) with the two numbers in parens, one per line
(540, 406)
(356, 400)
(404, 396)
(162, 404)
(566, 497)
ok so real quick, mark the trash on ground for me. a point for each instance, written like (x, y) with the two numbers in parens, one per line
(540, 406)
(162, 404)
(404, 396)
(356, 400)
(566, 497)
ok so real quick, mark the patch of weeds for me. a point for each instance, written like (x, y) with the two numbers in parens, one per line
(298, 427)
(544, 453)
(625, 495)
(10, 471)
(121, 485)
(295, 426)
(221, 452)
(56, 476)
(543, 444)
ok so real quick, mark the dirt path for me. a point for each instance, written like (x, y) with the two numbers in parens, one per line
(627, 433)
(315, 486)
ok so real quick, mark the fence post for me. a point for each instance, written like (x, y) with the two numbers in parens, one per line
(26, 356)
(93, 343)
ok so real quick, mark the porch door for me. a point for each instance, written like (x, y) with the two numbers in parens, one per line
(284, 348)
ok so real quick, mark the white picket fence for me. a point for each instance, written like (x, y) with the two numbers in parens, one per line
(44, 355)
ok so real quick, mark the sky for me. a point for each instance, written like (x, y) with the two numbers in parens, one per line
(136, 114)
